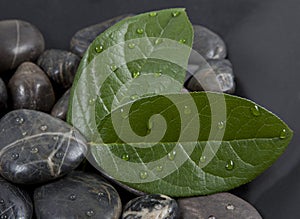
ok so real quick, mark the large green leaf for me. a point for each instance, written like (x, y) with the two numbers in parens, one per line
(125, 99)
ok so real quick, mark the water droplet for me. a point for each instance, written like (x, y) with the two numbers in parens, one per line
(136, 74)
(134, 97)
(283, 134)
(202, 159)
(92, 101)
(172, 155)
(113, 67)
(221, 125)
(89, 213)
(187, 110)
(14, 156)
(159, 168)
(230, 207)
(59, 155)
(99, 48)
(34, 150)
(55, 138)
(158, 41)
(140, 30)
(123, 114)
(157, 74)
(229, 165)
(131, 45)
(72, 197)
(175, 13)
(43, 128)
(211, 217)
(125, 157)
(3, 216)
(24, 133)
(2, 201)
(152, 14)
(255, 110)
(143, 175)
(182, 41)
(19, 120)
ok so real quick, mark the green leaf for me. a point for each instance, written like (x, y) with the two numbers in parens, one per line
(125, 100)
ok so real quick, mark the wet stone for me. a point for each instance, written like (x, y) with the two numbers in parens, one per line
(79, 195)
(210, 75)
(221, 205)
(30, 88)
(151, 206)
(3, 97)
(60, 109)
(36, 147)
(60, 66)
(19, 41)
(84, 37)
(208, 44)
(14, 202)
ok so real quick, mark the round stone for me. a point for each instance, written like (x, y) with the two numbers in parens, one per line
(19, 41)
(220, 205)
(151, 206)
(208, 44)
(30, 88)
(95, 198)
(14, 202)
(60, 109)
(60, 66)
(84, 37)
(58, 148)
(3, 96)
(210, 75)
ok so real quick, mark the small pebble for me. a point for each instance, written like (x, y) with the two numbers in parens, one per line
(151, 206)
(79, 195)
(60, 66)
(36, 147)
(60, 109)
(30, 88)
(20, 41)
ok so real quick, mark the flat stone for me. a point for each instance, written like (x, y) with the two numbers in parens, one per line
(79, 195)
(220, 205)
(151, 206)
(211, 75)
(84, 37)
(60, 66)
(3, 96)
(36, 147)
(60, 109)
(30, 88)
(209, 44)
(20, 41)
(14, 202)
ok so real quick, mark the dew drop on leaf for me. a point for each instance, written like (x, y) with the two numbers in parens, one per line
(221, 125)
(131, 45)
(202, 159)
(140, 30)
(125, 157)
(283, 134)
(152, 14)
(172, 155)
(255, 110)
(99, 48)
(159, 168)
(134, 97)
(175, 13)
(182, 41)
(229, 165)
(113, 67)
(136, 74)
(143, 175)
(187, 110)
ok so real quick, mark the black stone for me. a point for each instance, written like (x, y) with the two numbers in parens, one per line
(30, 88)
(151, 206)
(60, 66)
(84, 37)
(36, 147)
(79, 195)
(19, 41)
(60, 109)
(3, 97)
(208, 44)
(221, 205)
(14, 202)
(210, 75)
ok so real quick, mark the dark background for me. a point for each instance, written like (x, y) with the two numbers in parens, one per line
(263, 39)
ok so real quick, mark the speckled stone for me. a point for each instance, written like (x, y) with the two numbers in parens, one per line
(79, 195)
(36, 147)
(208, 44)
(60, 109)
(213, 75)
(151, 206)
(30, 88)
(220, 205)
(3, 96)
(84, 37)
(60, 66)
(19, 41)
(14, 202)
